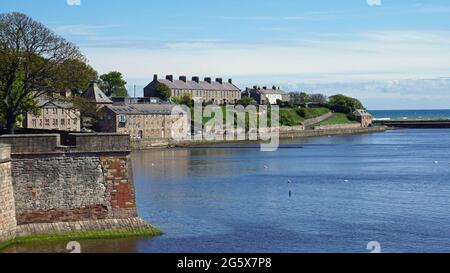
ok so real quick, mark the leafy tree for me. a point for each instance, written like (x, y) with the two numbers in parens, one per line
(32, 59)
(85, 75)
(113, 83)
(246, 101)
(344, 104)
(318, 98)
(299, 98)
(162, 91)
(185, 99)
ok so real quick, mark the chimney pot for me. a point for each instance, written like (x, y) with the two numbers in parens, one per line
(155, 77)
(183, 78)
(230, 81)
(265, 87)
(196, 79)
(208, 80)
(169, 78)
(219, 80)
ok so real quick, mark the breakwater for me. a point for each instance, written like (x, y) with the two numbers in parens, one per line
(415, 123)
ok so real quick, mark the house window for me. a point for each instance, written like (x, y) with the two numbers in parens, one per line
(46, 111)
(75, 121)
(63, 122)
(47, 122)
(68, 121)
(34, 122)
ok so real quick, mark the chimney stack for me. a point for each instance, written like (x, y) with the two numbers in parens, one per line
(155, 77)
(196, 79)
(183, 78)
(169, 78)
(230, 81)
(265, 87)
(219, 80)
(208, 80)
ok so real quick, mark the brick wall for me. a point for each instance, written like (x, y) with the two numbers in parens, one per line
(7, 207)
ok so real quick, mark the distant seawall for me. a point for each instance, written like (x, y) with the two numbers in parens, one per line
(85, 185)
(419, 124)
(285, 132)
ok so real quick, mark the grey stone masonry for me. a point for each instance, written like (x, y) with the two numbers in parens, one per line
(129, 224)
(7, 206)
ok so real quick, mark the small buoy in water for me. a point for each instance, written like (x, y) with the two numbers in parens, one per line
(346, 181)
(289, 181)
(436, 162)
(266, 167)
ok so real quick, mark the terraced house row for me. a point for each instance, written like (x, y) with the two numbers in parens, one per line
(208, 91)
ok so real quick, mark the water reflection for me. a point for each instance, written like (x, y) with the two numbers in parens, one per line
(336, 194)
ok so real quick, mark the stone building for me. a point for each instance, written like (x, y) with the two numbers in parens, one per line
(209, 91)
(364, 117)
(265, 95)
(142, 121)
(95, 95)
(55, 115)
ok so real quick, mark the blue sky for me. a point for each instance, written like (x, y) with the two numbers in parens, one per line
(390, 53)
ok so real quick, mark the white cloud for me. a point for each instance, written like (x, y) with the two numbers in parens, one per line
(374, 2)
(409, 53)
(81, 29)
(353, 60)
(73, 2)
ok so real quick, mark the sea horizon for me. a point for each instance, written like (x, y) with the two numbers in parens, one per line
(411, 114)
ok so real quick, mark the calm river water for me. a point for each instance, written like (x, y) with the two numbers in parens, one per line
(335, 195)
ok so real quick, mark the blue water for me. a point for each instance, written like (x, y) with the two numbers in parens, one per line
(411, 114)
(345, 192)
(390, 187)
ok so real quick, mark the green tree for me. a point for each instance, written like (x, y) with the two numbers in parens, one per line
(318, 98)
(162, 91)
(344, 104)
(299, 98)
(85, 74)
(246, 101)
(113, 84)
(185, 99)
(32, 59)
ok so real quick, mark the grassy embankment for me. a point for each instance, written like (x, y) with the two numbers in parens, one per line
(295, 116)
(337, 118)
(79, 236)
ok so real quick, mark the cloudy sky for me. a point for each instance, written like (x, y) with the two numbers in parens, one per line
(392, 54)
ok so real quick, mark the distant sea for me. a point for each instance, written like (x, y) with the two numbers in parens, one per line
(411, 114)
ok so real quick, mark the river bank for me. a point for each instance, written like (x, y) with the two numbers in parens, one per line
(145, 144)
